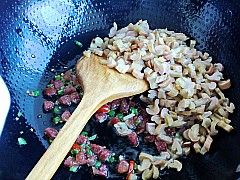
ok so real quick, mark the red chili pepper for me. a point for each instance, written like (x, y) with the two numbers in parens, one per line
(130, 170)
(76, 147)
(113, 121)
(104, 109)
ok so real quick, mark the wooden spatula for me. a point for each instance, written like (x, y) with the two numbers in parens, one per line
(101, 85)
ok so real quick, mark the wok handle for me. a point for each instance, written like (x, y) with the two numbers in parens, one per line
(5, 103)
(55, 154)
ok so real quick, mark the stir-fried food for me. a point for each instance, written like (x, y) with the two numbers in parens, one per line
(182, 110)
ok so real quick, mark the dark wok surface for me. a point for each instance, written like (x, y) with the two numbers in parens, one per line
(36, 41)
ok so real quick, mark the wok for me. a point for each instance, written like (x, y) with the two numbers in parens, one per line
(37, 41)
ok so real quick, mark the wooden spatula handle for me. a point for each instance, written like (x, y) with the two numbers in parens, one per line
(53, 157)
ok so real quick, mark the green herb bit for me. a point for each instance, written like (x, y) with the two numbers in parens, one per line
(98, 164)
(134, 111)
(57, 109)
(56, 120)
(50, 85)
(89, 152)
(87, 146)
(92, 137)
(84, 133)
(137, 122)
(81, 94)
(58, 77)
(60, 92)
(111, 159)
(19, 114)
(135, 166)
(21, 141)
(111, 113)
(35, 93)
(74, 151)
(78, 43)
(73, 169)
(120, 116)
(178, 136)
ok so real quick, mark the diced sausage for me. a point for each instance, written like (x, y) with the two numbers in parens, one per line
(58, 84)
(67, 75)
(124, 107)
(65, 100)
(50, 133)
(102, 171)
(149, 138)
(105, 153)
(81, 139)
(91, 160)
(81, 158)
(160, 145)
(48, 105)
(122, 167)
(75, 98)
(69, 162)
(170, 131)
(74, 80)
(113, 121)
(115, 104)
(50, 91)
(133, 139)
(101, 117)
(69, 89)
(65, 115)
(142, 125)
(96, 149)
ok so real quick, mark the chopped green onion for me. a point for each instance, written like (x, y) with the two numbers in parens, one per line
(81, 93)
(137, 122)
(78, 43)
(73, 169)
(92, 137)
(74, 151)
(21, 141)
(19, 114)
(57, 109)
(134, 111)
(111, 113)
(98, 164)
(178, 136)
(120, 116)
(111, 159)
(35, 93)
(60, 92)
(50, 85)
(89, 152)
(58, 77)
(135, 166)
(56, 120)
(87, 146)
(84, 133)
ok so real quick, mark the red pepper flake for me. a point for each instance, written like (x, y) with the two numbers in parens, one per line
(76, 147)
(160, 145)
(113, 121)
(104, 109)
(130, 170)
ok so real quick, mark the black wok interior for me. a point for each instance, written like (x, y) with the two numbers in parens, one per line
(37, 41)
